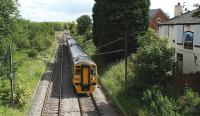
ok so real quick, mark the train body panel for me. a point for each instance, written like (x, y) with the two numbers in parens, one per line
(84, 71)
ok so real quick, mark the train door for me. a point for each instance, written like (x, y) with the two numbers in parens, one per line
(85, 78)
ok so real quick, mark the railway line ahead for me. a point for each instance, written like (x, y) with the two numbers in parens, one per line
(58, 97)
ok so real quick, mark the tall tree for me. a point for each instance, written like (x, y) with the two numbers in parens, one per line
(72, 27)
(84, 23)
(8, 14)
(197, 14)
(113, 18)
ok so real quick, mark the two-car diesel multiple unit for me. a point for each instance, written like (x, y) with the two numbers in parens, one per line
(84, 70)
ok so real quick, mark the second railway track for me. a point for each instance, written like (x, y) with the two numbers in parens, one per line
(61, 98)
(53, 98)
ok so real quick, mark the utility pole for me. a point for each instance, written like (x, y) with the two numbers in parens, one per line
(11, 76)
(125, 42)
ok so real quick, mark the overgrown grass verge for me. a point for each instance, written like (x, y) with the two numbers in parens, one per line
(28, 73)
(112, 79)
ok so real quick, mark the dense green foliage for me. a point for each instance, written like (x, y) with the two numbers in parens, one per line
(88, 35)
(28, 39)
(8, 15)
(188, 104)
(84, 24)
(197, 14)
(72, 27)
(112, 18)
(158, 104)
(153, 62)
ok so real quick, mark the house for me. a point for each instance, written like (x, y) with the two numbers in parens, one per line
(183, 32)
(157, 16)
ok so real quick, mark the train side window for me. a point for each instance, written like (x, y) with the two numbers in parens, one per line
(77, 71)
(93, 71)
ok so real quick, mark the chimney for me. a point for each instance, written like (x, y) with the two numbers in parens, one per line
(178, 10)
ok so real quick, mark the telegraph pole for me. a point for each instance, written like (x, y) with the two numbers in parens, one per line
(125, 42)
(11, 76)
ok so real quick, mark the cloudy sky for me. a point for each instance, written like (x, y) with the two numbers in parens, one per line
(68, 10)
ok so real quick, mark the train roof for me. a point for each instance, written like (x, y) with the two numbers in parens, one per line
(84, 60)
(77, 53)
(71, 41)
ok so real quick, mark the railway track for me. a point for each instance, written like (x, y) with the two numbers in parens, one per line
(53, 98)
(88, 106)
(61, 98)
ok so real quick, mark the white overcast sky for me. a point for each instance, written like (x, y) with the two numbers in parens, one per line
(69, 10)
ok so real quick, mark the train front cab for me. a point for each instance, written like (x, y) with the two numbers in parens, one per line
(85, 78)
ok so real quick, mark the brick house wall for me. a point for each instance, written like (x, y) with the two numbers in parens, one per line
(153, 20)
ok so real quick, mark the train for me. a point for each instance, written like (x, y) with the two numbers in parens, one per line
(84, 69)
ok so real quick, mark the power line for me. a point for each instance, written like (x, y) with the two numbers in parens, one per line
(109, 43)
(116, 51)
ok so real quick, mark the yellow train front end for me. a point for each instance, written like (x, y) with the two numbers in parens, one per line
(85, 77)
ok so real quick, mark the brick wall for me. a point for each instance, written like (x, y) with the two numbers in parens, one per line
(153, 21)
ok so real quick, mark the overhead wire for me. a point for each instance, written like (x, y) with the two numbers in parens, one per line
(102, 46)
(110, 52)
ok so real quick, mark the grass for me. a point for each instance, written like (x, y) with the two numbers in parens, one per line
(113, 81)
(30, 70)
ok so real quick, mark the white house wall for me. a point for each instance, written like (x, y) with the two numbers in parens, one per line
(197, 35)
(179, 34)
(163, 31)
(175, 35)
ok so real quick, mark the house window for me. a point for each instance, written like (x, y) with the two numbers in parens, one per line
(158, 20)
(179, 63)
(188, 39)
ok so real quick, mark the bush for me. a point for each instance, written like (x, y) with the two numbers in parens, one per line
(79, 39)
(32, 53)
(4, 92)
(189, 104)
(88, 35)
(153, 63)
(158, 104)
(22, 94)
(22, 43)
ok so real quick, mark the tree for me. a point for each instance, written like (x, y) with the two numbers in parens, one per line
(72, 27)
(65, 26)
(153, 63)
(8, 15)
(197, 14)
(84, 24)
(113, 18)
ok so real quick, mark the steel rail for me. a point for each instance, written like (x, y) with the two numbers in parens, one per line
(95, 105)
